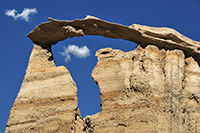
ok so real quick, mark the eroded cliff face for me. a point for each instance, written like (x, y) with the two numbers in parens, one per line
(154, 88)
(47, 99)
(147, 90)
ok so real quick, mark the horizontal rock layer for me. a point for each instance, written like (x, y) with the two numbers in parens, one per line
(47, 99)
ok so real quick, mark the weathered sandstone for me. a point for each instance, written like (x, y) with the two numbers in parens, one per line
(47, 99)
(50, 33)
(147, 90)
(154, 88)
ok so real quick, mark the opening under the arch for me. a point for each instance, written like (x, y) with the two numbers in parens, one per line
(81, 68)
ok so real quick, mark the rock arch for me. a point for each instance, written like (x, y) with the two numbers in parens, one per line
(144, 90)
(50, 33)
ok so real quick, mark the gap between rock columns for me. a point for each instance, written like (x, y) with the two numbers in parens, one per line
(157, 90)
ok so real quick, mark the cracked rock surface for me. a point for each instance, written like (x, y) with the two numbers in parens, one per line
(154, 88)
(147, 90)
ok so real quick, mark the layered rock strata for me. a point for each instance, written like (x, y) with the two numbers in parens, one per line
(47, 99)
(154, 88)
(147, 90)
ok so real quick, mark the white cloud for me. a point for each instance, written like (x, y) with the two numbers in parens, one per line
(11, 13)
(81, 52)
(24, 15)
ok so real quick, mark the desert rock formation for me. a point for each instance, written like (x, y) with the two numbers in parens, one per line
(154, 88)
(47, 98)
(147, 90)
(50, 33)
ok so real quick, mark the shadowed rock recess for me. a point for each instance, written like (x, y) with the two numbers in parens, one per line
(154, 88)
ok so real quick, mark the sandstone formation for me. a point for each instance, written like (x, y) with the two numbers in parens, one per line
(50, 33)
(147, 90)
(154, 88)
(47, 99)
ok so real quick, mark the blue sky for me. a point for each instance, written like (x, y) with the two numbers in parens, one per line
(15, 47)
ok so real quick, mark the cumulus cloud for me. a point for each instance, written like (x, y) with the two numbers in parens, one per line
(81, 52)
(24, 15)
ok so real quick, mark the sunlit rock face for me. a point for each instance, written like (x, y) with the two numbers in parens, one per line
(147, 90)
(47, 99)
(154, 88)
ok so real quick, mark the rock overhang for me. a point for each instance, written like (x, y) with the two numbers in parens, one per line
(50, 33)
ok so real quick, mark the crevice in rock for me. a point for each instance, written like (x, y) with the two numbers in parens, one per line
(194, 97)
(121, 124)
(89, 127)
(105, 52)
(21, 123)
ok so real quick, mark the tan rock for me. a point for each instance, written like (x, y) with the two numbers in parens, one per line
(149, 89)
(50, 33)
(47, 99)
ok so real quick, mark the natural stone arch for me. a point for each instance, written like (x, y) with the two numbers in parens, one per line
(167, 103)
(50, 33)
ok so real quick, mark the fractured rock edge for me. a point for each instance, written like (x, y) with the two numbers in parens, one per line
(52, 32)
